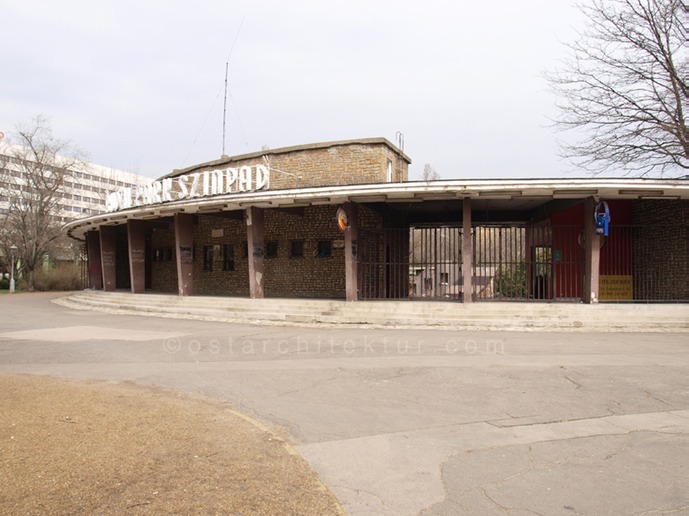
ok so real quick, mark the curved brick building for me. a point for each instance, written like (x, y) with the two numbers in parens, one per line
(341, 220)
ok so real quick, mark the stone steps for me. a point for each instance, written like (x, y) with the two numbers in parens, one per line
(523, 316)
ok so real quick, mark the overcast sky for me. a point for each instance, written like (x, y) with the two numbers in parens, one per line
(139, 85)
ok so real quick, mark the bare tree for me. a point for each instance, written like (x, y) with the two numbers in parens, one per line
(624, 88)
(33, 172)
(429, 173)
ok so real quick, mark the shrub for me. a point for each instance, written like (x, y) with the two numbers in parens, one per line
(510, 282)
(4, 284)
(65, 276)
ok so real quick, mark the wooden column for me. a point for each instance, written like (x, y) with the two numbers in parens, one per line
(254, 237)
(107, 257)
(136, 240)
(592, 253)
(184, 245)
(467, 251)
(351, 235)
(94, 260)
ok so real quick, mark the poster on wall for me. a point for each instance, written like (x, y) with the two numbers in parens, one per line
(186, 254)
(615, 288)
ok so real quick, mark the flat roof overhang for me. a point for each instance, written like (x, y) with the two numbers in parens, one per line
(486, 195)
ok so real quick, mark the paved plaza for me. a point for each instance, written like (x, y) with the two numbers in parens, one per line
(411, 421)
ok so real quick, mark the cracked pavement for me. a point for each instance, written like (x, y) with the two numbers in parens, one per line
(410, 421)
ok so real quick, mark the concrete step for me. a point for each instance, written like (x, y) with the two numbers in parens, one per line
(295, 311)
(427, 314)
(410, 309)
(202, 302)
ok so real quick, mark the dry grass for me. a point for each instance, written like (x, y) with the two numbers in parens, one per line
(99, 448)
(63, 277)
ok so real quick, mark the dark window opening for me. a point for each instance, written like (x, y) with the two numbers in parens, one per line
(208, 258)
(271, 249)
(324, 248)
(297, 249)
(228, 257)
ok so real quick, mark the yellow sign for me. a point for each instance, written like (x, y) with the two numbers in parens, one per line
(616, 288)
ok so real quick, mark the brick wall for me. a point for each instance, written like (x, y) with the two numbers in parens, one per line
(216, 232)
(310, 276)
(372, 253)
(164, 266)
(328, 164)
(660, 249)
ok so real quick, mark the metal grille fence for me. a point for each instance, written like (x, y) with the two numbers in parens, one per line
(524, 262)
(418, 262)
(567, 280)
(500, 269)
(383, 264)
(435, 265)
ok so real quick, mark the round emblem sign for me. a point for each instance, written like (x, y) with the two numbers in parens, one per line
(342, 221)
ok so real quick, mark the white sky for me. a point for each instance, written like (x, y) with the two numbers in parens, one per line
(139, 85)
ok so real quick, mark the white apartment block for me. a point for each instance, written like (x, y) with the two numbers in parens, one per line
(84, 192)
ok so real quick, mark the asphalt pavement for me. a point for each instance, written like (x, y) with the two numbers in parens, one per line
(411, 421)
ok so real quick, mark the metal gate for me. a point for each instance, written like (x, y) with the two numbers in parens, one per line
(522, 262)
(383, 264)
(500, 268)
(435, 262)
(417, 262)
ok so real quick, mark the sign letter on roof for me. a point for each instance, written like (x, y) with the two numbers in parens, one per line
(199, 184)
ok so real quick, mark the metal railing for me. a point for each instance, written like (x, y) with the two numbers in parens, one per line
(522, 262)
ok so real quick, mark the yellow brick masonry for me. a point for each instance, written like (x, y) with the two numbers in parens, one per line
(285, 276)
(326, 164)
(330, 164)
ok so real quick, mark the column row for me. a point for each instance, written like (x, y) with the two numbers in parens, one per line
(102, 248)
(102, 252)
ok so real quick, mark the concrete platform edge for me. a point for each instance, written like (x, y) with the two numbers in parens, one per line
(503, 316)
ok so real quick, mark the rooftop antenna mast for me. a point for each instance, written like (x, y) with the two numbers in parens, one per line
(400, 145)
(224, 110)
(400, 140)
